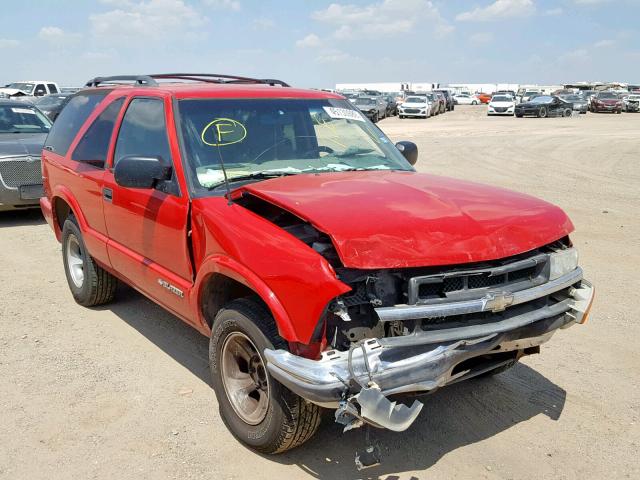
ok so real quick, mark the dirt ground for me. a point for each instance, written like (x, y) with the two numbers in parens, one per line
(123, 392)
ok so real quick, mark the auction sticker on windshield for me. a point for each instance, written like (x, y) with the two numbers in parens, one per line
(344, 113)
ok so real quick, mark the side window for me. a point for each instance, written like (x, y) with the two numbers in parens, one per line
(52, 88)
(94, 145)
(40, 90)
(143, 133)
(70, 119)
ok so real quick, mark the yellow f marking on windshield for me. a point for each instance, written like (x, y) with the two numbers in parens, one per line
(223, 131)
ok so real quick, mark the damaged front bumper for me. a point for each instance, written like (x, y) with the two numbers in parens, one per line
(358, 381)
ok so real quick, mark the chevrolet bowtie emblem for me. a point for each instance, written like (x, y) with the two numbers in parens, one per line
(497, 302)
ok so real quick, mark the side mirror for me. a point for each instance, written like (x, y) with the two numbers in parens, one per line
(409, 150)
(140, 172)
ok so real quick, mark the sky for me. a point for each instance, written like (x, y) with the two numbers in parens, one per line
(315, 43)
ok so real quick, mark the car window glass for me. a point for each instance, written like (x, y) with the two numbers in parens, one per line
(143, 131)
(52, 88)
(94, 145)
(70, 119)
(40, 90)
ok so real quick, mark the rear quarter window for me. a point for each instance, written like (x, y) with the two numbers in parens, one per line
(70, 119)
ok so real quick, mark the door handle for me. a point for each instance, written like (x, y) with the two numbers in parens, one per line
(107, 194)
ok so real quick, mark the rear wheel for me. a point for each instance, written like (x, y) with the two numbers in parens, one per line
(258, 410)
(542, 113)
(567, 112)
(89, 283)
(474, 103)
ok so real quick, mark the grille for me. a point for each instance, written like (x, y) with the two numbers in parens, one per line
(411, 110)
(434, 287)
(500, 109)
(15, 173)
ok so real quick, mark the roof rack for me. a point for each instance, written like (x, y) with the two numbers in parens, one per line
(150, 80)
(218, 78)
(144, 80)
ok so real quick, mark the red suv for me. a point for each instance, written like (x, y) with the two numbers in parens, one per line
(289, 229)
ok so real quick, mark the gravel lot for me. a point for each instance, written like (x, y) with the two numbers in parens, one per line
(123, 392)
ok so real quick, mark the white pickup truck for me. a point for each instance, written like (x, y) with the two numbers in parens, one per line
(29, 88)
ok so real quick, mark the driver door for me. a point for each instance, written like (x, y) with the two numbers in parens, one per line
(147, 228)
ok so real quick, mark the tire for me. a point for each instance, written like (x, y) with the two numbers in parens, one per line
(619, 112)
(89, 283)
(567, 113)
(287, 420)
(519, 115)
(542, 113)
(474, 103)
(400, 117)
(375, 118)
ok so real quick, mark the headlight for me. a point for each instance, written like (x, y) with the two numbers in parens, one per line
(563, 262)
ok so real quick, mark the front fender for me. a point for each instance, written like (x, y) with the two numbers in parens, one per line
(221, 264)
(293, 280)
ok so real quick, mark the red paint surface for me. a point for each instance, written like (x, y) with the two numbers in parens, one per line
(406, 219)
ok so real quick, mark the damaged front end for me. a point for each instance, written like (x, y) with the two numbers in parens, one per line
(416, 330)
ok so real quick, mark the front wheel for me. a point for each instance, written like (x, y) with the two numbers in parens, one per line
(542, 113)
(567, 113)
(89, 283)
(258, 410)
(374, 119)
(474, 103)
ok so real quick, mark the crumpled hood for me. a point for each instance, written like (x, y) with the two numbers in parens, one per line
(391, 219)
(20, 144)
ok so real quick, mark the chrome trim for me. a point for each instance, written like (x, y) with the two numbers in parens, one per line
(494, 301)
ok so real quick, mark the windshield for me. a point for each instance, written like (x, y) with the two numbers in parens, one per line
(528, 94)
(542, 99)
(501, 98)
(279, 136)
(416, 100)
(572, 98)
(22, 119)
(365, 101)
(608, 95)
(25, 87)
(633, 97)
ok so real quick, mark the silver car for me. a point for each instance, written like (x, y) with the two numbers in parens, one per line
(23, 129)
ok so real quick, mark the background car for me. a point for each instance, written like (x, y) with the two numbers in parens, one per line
(23, 129)
(373, 107)
(442, 102)
(501, 105)
(606, 102)
(544, 106)
(580, 103)
(632, 103)
(484, 97)
(51, 104)
(392, 105)
(415, 106)
(449, 103)
(465, 99)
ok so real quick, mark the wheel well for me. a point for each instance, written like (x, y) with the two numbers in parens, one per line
(61, 210)
(218, 291)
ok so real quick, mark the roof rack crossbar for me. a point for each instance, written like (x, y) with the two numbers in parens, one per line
(144, 80)
(221, 78)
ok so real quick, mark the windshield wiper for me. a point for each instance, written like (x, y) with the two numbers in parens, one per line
(352, 151)
(252, 176)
